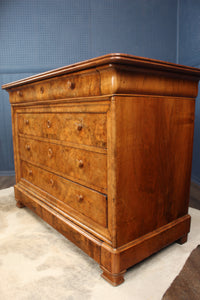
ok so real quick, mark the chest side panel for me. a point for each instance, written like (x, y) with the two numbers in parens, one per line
(154, 154)
(80, 84)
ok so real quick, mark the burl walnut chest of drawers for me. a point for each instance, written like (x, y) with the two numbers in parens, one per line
(103, 152)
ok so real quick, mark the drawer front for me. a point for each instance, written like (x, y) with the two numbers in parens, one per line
(83, 84)
(86, 201)
(88, 167)
(81, 128)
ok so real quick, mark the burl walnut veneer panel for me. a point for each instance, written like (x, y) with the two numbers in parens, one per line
(103, 153)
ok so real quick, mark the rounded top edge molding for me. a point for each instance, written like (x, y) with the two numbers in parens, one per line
(110, 60)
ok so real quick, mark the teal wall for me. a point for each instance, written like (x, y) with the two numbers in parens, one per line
(38, 35)
(189, 54)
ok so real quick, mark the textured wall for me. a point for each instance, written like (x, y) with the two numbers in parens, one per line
(189, 54)
(38, 35)
(6, 146)
(189, 32)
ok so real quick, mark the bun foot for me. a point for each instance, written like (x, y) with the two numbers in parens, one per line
(20, 204)
(114, 279)
(182, 240)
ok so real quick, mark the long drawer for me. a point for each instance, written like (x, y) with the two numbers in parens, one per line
(81, 128)
(82, 84)
(89, 168)
(66, 193)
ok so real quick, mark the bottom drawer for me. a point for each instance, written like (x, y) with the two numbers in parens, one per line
(66, 193)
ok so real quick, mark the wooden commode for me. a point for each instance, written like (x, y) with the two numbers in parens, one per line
(103, 153)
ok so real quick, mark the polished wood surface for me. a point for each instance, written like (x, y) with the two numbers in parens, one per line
(103, 153)
(67, 193)
(80, 128)
(9, 181)
(84, 166)
(158, 134)
(116, 59)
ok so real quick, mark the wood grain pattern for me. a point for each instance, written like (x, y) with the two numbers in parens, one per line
(75, 164)
(67, 193)
(158, 134)
(80, 128)
(117, 260)
(119, 79)
(103, 153)
(71, 86)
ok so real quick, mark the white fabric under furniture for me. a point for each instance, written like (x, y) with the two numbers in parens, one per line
(36, 262)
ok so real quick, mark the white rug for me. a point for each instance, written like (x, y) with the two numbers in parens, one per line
(36, 262)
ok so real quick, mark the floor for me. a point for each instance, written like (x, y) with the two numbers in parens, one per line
(195, 195)
(37, 262)
(8, 181)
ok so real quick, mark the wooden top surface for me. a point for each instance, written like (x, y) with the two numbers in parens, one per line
(113, 58)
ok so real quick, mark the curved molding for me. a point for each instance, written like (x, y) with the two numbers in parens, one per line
(113, 58)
